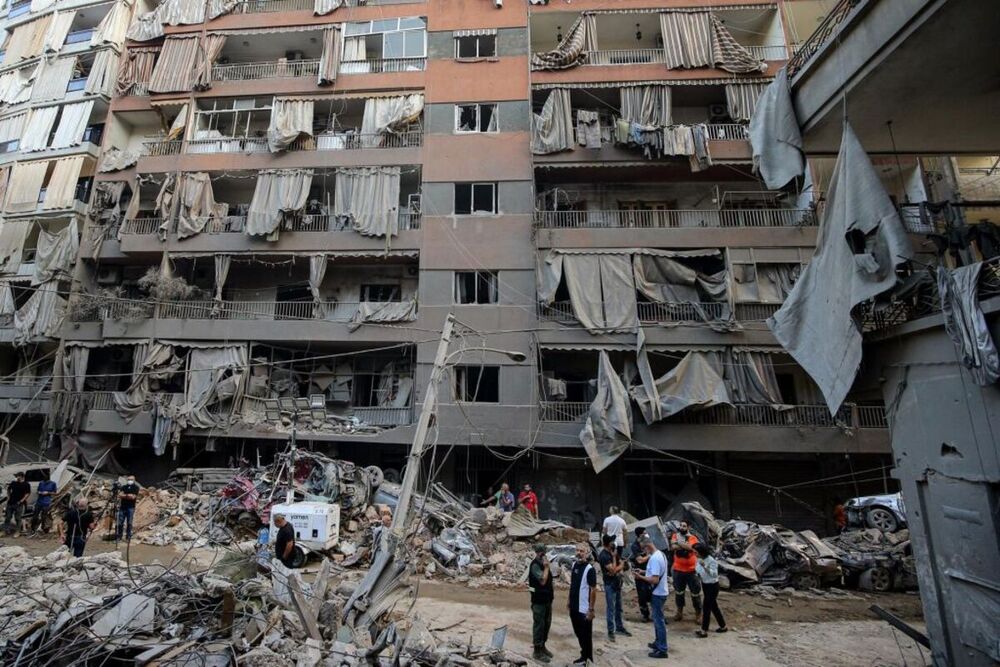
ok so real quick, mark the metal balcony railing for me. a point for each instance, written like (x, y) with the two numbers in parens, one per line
(728, 131)
(665, 219)
(236, 224)
(137, 309)
(372, 416)
(277, 69)
(322, 142)
(383, 65)
(141, 226)
(161, 148)
(649, 313)
(771, 52)
(267, 6)
(794, 416)
(625, 57)
(755, 312)
(823, 34)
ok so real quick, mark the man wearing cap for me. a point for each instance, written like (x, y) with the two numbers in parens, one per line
(540, 585)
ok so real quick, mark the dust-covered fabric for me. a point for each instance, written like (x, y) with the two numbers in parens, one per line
(197, 204)
(214, 376)
(290, 119)
(55, 254)
(175, 68)
(368, 199)
(775, 136)
(41, 316)
(607, 433)
(277, 192)
(695, 382)
(384, 311)
(552, 129)
(965, 323)
(580, 40)
(741, 100)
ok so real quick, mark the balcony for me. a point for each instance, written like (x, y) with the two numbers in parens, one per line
(277, 69)
(795, 416)
(270, 6)
(768, 52)
(373, 416)
(79, 36)
(24, 397)
(323, 142)
(76, 85)
(649, 313)
(383, 65)
(676, 219)
(625, 57)
(158, 148)
(19, 9)
(236, 224)
(137, 89)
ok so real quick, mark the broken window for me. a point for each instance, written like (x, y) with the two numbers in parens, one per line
(476, 118)
(381, 293)
(473, 198)
(477, 384)
(476, 287)
(475, 46)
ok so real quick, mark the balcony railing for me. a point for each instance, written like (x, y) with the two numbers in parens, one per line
(278, 69)
(772, 52)
(649, 313)
(138, 309)
(665, 219)
(823, 34)
(105, 400)
(625, 57)
(755, 312)
(383, 65)
(794, 416)
(728, 132)
(142, 226)
(372, 416)
(322, 142)
(161, 148)
(236, 224)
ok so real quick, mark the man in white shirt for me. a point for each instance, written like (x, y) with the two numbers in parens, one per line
(656, 576)
(614, 526)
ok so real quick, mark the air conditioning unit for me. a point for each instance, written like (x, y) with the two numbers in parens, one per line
(717, 113)
(413, 203)
(109, 275)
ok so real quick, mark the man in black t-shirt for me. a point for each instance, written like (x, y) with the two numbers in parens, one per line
(128, 493)
(284, 542)
(540, 585)
(76, 525)
(17, 499)
(611, 572)
(582, 595)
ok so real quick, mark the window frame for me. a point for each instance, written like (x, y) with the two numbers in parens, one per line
(472, 198)
(394, 288)
(460, 384)
(490, 277)
(479, 55)
(479, 117)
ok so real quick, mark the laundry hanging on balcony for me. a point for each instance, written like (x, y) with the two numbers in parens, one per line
(41, 316)
(208, 52)
(697, 38)
(861, 242)
(25, 186)
(54, 79)
(775, 136)
(607, 433)
(383, 312)
(56, 252)
(38, 129)
(367, 198)
(72, 124)
(114, 25)
(741, 100)
(136, 66)
(174, 69)
(965, 323)
(324, 7)
(61, 190)
(329, 60)
(290, 120)
(55, 36)
(389, 115)
(574, 48)
(552, 129)
(12, 236)
(197, 204)
(277, 192)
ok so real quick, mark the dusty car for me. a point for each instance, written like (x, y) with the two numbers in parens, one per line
(67, 477)
(885, 512)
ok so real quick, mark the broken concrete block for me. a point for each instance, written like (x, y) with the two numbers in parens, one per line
(133, 612)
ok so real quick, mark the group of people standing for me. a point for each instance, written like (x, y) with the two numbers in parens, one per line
(687, 563)
(505, 500)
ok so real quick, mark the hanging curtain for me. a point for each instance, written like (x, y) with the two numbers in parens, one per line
(103, 73)
(573, 50)
(135, 67)
(687, 38)
(25, 186)
(164, 205)
(197, 205)
(601, 291)
(61, 191)
(150, 361)
(222, 263)
(388, 115)
(277, 192)
(177, 127)
(16, 86)
(112, 28)
(775, 281)
(217, 8)
(74, 366)
(329, 61)
(355, 56)
(290, 119)
(730, 55)
(41, 316)
(694, 383)
(53, 80)
(368, 198)
(317, 271)
(73, 124)
(7, 307)
(145, 27)
(750, 378)
(36, 134)
(59, 26)
(607, 433)
(552, 129)
(213, 376)
(741, 100)
(56, 252)
(211, 47)
(323, 7)
(175, 67)
(12, 129)
(4, 182)
(12, 236)
(649, 106)
(668, 281)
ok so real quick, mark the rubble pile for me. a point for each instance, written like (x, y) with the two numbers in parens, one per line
(99, 610)
(874, 560)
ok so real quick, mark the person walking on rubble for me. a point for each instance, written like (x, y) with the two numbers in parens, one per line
(655, 575)
(638, 558)
(614, 526)
(503, 498)
(611, 572)
(540, 585)
(528, 499)
(77, 522)
(128, 493)
(17, 499)
(582, 596)
(682, 545)
(708, 572)
(284, 542)
(42, 517)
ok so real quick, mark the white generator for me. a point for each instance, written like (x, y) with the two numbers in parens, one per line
(316, 525)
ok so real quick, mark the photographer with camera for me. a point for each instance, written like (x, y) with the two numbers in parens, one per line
(128, 494)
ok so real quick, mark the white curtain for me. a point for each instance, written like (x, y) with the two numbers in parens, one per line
(103, 74)
(12, 236)
(25, 186)
(61, 191)
(38, 130)
(322, 7)
(389, 114)
(317, 271)
(112, 28)
(72, 124)
(222, 264)
(329, 61)
(277, 192)
(41, 316)
(552, 129)
(290, 119)
(56, 252)
(197, 205)
(355, 55)
(58, 29)
(53, 79)
(369, 198)
(12, 127)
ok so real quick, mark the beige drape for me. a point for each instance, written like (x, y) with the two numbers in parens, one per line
(277, 192)
(217, 8)
(329, 61)
(687, 38)
(38, 129)
(729, 54)
(41, 316)
(290, 119)
(111, 29)
(323, 7)
(208, 52)
(25, 186)
(53, 79)
(179, 125)
(197, 204)
(222, 264)
(72, 124)
(12, 127)
(175, 67)
(368, 197)
(12, 236)
(27, 40)
(136, 66)
(572, 50)
(59, 26)
(646, 105)
(61, 191)
(552, 129)
(317, 271)
(56, 252)
(103, 73)
(145, 28)
(741, 100)
(16, 85)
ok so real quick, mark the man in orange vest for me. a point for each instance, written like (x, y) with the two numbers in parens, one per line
(685, 565)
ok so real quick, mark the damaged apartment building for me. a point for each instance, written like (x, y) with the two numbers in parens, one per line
(230, 220)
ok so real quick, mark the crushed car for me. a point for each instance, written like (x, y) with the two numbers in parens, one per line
(885, 512)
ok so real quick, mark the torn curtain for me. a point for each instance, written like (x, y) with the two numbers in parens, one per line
(277, 192)
(384, 115)
(74, 366)
(136, 66)
(56, 252)
(368, 197)
(197, 204)
(214, 375)
(101, 80)
(668, 281)
(329, 60)
(695, 382)
(290, 119)
(775, 136)
(965, 323)
(208, 51)
(112, 28)
(601, 289)
(174, 69)
(53, 79)
(552, 129)
(573, 50)
(384, 311)
(317, 271)
(861, 242)
(154, 361)
(607, 433)
(41, 316)
(12, 236)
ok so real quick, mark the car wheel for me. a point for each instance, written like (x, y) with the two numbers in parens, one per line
(803, 581)
(881, 518)
(877, 579)
(298, 557)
